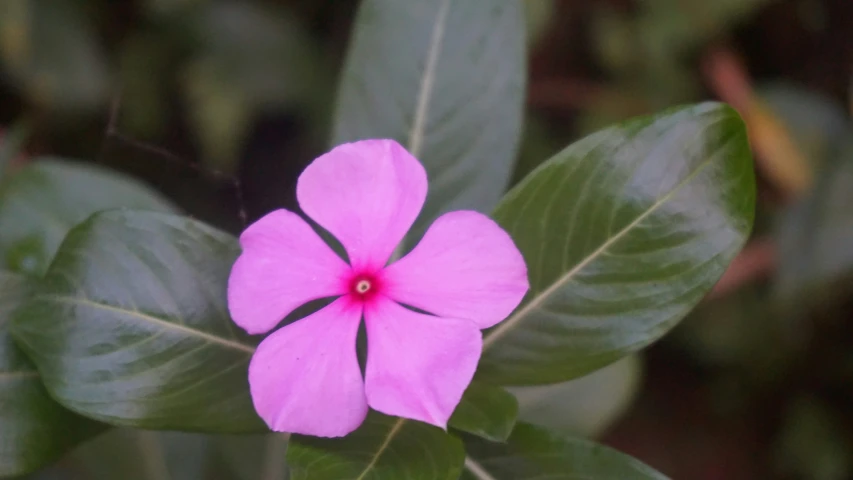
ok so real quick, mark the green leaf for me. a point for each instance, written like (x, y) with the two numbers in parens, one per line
(35, 429)
(584, 406)
(445, 78)
(382, 448)
(41, 202)
(486, 411)
(815, 261)
(623, 233)
(534, 453)
(130, 326)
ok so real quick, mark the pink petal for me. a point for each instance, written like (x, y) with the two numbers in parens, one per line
(418, 365)
(465, 266)
(367, 194)
(284, 265)
(305, 378)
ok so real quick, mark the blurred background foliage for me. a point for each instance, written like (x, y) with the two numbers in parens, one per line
(219, 104)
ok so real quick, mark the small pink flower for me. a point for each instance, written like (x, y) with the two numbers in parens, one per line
(466, 272)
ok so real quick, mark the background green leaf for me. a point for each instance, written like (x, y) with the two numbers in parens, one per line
(623, 233)
(486, 411)
(130, 325)
(446, 79)
(534, 453)
(42, 201)
(34, 430)
(382, 448)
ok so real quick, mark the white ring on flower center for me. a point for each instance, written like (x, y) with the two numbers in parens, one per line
(362, 286)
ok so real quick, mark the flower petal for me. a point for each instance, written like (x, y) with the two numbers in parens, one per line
(418, 366)
(466, 266)
(284, 264)
(305, 378)
(367, 194)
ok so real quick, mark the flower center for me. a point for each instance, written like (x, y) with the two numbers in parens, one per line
(362, 286)
(365, 285)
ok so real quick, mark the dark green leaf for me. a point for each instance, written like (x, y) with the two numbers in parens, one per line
(382, 448)
(584, 406)
(486, 411)
(35, 430)
(130, 325)
(533, 453)
(41, 202)
(814, 237)
(623, 233)
(446, 79)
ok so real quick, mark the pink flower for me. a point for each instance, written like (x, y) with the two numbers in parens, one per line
(466, 273)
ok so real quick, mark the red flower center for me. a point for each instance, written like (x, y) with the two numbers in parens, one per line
(364, 285)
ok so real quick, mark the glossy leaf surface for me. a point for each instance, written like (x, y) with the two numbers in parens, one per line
(35, 429)
(445, 78)
(533, 453)
(486, 411)
(623, 232)
(130, 325)
(382, 448)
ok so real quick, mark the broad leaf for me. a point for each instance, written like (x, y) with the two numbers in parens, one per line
(623, 233)
(130, 325)
(814, 236)
(41, 202)
(486, 411)
(584, 406)
(446, 79)
(533, 453)
(382, 448)
(35, 429)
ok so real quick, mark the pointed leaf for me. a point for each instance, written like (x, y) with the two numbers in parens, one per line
(623, 233)
(382, 448)
(35, 429)
(486, 411)
(445, 78)
(130, 325)
(534, 453)
(42, 201)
